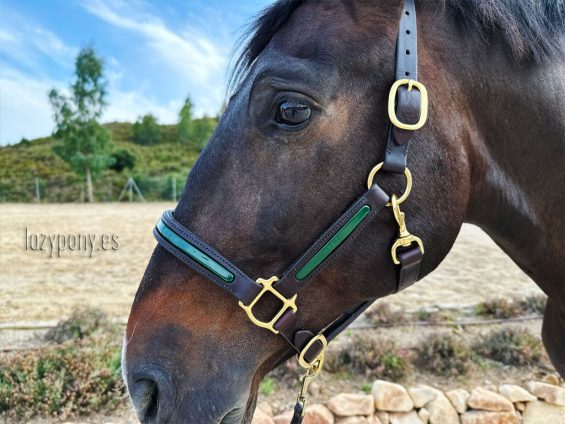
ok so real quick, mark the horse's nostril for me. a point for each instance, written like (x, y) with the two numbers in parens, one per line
(145, 396)
(151, 394)
(233, 417)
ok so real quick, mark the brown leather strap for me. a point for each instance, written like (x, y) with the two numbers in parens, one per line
(242, 287)
(410, 260)
(245, 289)
(407, 101)
(375, 197)
(298, 338)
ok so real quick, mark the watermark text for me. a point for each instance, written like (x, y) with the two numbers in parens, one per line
(56, 244)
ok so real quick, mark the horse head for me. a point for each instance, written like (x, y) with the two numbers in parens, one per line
(307, 122)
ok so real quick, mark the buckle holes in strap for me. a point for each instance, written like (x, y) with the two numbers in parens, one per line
(408, 31)
(407, 13)
(407, 51)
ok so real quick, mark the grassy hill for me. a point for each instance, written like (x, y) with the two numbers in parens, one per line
(155, 167)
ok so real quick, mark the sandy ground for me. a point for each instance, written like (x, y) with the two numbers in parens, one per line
(36, 287)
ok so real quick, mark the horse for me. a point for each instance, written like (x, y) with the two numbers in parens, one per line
(305, 124)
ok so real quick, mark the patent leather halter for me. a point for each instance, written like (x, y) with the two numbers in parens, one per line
(407, 110)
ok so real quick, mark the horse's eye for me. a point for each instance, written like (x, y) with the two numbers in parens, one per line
(293, 112)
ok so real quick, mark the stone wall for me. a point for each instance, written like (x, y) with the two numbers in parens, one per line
(389, 403)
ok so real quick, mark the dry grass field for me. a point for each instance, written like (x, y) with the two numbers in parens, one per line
(36, 287)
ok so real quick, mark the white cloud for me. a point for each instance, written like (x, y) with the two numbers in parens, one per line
(25, 110)
(129, 105)
(26, 42)
(190, 54)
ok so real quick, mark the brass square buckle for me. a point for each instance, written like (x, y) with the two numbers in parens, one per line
(423, 104)
(268, 287)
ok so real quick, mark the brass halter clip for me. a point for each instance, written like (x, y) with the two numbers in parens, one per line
(405, 239)
(307, 378)
(313, 369)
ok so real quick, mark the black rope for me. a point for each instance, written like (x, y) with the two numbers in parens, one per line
(298, 411)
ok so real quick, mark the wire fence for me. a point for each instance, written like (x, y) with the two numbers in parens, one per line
(68, 188)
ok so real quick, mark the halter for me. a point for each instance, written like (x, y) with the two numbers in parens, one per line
(407, 111)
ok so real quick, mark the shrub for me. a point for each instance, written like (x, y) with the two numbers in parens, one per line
(534, 304)
(79, 376)
(374, 357)
(82, 323)
(443, 354)
(511, 347)
(122, 159)
(382, 313)
(435, 316)
(499, 308)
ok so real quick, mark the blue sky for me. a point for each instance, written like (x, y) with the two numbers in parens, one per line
(155, 53)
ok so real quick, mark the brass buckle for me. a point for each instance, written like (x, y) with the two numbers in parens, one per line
(405, 239)
(267, 286)
(317, 363)
(407, 175)
(423, 104)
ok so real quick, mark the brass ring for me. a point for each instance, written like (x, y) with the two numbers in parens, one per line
(407, 174)
(309, 365)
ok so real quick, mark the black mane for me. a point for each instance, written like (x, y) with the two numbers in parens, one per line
(531, 28)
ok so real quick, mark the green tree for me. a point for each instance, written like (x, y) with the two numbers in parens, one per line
(146, 130)
(203, 129)
(185, 126)
(123, 159)
(83, 141)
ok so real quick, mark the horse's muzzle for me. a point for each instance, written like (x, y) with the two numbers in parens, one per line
(152, 394)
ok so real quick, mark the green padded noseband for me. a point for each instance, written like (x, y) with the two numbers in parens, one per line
(193, 252)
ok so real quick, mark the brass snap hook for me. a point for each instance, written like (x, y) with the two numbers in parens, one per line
(405, 239)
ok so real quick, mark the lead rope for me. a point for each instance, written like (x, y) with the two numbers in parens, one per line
(306, 378)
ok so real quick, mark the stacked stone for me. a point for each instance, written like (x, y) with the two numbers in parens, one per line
(389, 403)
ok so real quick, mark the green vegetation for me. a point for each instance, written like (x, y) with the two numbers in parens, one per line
(510, 346)
(383, 314)
(76, 377)
(436, 316)
(146, 131)
(499, 308)
(185, 128)
(83, 141)
(81, 324)
(443, 354)
(509, 308)
(86, 160)
(153, 167)
(268, 386)
(369, 355)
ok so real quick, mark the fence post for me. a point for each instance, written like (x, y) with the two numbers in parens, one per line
(37, 192)
(174, 189)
